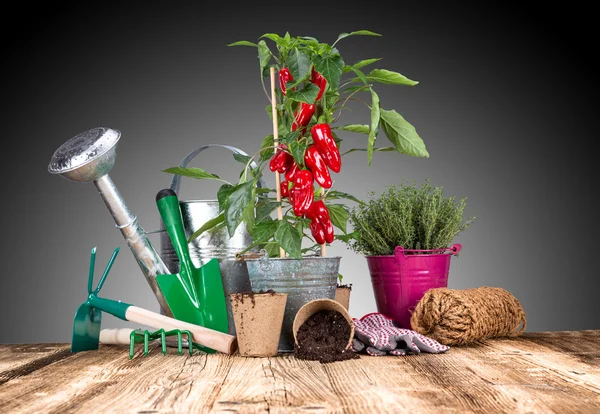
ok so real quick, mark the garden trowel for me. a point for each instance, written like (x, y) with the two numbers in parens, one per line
(194, 295)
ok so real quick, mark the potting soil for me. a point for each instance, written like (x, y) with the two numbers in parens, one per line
(323, 337)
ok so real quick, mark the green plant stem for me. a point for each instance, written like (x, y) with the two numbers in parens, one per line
(346, 100)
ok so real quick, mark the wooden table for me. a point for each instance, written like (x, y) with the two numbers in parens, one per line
(539, 372)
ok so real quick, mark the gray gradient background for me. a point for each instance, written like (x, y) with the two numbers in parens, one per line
(505, 106)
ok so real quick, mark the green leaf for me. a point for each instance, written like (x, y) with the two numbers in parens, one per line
(290, 137)
(222, 195)
(357, 33)
(264, 55)
(330, 66)
(339, 216)
(389, 77)
(297, 148)
(243, 43)
(274, 37)
(402, 134)
(359, 129)
(265, 152)
(240, 196)
(272, 249)
(207, 226)
(361, 76)
(192, 172)
(360, 64)
(346, 238)
(264, 210)
(374, 125)
(298, 62)
(262, 232)
(331, 98)
(289, 239)
(381, 149)
(334, 195)
(248, 216)
(244, 159)
(307, 94)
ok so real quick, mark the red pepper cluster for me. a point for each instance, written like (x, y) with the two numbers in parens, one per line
(321, 156)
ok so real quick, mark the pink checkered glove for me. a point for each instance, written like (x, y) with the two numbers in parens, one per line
(378, 335)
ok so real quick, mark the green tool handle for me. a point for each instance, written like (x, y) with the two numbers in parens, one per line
(115, 308)
(168, 206)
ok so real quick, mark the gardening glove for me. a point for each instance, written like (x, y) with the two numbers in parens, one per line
(378, 335)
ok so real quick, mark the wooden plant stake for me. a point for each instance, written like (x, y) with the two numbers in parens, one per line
(276, 144)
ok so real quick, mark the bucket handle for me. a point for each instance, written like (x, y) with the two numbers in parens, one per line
(400, 252)
(176, 181)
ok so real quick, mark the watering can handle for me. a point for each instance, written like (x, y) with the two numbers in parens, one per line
(176, 181)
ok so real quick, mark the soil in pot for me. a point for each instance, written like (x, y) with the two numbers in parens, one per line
(323, 337)
(342, 295)
(258, 318)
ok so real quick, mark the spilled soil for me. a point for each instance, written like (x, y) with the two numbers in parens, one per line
(324, 337)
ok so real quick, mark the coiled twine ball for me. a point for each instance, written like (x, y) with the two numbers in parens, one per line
(463, 316)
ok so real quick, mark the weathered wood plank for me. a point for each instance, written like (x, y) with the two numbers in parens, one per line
(162, 383)
(52, 385)
(20, 360)
(539, 372)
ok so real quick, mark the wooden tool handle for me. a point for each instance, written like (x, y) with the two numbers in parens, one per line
(209, 338)
(115, 336)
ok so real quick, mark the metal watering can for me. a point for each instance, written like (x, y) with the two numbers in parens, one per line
(89, 157)
(211, 244)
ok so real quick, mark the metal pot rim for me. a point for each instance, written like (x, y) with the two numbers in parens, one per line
(292, 258)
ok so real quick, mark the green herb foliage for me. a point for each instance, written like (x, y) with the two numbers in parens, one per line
(409, 216)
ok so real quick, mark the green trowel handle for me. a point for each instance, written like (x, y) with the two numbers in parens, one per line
(115, 308)
(168, 206)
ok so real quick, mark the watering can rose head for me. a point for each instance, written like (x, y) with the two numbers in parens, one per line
(315, 83)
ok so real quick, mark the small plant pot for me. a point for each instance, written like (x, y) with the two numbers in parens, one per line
(342, 295)
(258, 318)
(400, 281)
(317, 305)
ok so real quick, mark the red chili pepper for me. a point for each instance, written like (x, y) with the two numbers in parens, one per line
(284, 77)
(282, 160)
(315, 162)
(290, 174)
(323, 138)
(317, 231)
(319, 213)
(303, 117)
(302, 194)
(284, 189)
(319, 80)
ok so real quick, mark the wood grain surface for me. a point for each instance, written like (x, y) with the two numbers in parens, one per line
(539, 372)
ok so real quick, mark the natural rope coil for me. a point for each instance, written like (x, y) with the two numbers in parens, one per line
(459, 317)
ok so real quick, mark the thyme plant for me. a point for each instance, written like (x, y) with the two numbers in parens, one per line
(408, 216)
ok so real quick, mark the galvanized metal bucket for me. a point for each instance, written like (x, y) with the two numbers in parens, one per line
(304, 280)
(211, 244)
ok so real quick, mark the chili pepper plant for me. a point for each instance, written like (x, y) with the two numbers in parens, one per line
(314, 86)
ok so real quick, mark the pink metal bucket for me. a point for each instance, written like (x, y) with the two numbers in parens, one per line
(400, 281)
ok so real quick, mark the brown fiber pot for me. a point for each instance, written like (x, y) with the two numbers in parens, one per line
(258, 318)
(342, 295)
(317, 305)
